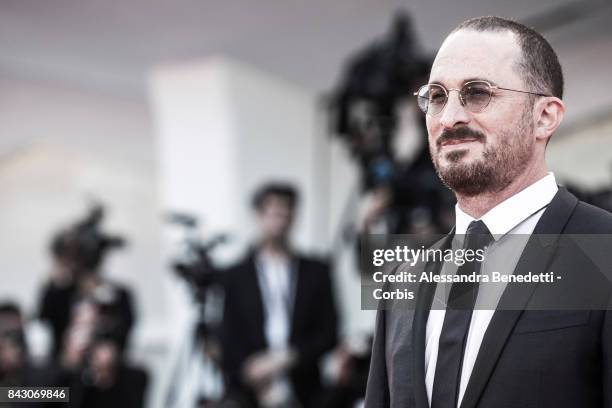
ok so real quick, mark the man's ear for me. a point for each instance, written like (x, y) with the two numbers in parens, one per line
(549, 113)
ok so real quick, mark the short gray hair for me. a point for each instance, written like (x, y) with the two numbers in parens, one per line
(539, 66)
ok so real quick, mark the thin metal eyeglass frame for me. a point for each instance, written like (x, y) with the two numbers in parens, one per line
(461, 93)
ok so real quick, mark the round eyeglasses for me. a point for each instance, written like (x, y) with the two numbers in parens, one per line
(474, 95)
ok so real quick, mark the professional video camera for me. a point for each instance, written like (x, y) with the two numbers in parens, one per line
(377, 82)
(194, 263)
(84, 245)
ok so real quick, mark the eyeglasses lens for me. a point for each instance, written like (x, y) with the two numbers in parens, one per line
(475, 96)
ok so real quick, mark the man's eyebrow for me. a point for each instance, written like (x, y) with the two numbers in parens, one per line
(479, 79)
(472, 79)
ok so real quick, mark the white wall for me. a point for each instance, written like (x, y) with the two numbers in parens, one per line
(59, 146)
(580, 152)
(584, 157)
(224, 128)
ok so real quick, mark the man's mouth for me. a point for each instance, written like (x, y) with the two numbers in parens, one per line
(453, 142)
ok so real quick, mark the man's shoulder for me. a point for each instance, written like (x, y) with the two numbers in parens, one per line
(305, 262)
(312, 264)
(237, 274)
(245, 262)
(588, 219)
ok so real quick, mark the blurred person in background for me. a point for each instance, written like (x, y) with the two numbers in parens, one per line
(16, 367)
(77, 254)
(90, 317)
(279, 314)
(93, 365)
(13, 351)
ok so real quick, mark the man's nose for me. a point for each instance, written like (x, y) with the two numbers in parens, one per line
(454, 112)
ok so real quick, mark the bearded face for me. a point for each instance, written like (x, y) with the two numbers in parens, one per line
(480, 151)
(502, 158)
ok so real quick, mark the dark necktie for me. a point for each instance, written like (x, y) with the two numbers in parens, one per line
(457, 323)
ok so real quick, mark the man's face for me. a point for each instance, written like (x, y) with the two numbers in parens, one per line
(476, 153)
(274, 218)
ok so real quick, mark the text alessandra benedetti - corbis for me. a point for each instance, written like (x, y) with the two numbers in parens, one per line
(493, 277)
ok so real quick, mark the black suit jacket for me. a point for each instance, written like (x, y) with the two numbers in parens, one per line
(313, 325)
(528, 358)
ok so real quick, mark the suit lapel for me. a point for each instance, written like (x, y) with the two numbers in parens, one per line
(254, 300)
(297, 294)
(537, 255)
(425, 295)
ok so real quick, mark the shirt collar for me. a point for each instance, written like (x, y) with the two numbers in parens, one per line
(506, 215)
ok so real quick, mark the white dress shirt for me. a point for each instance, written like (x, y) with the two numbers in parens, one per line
(518, 214)
(274, 276)
(276, 283)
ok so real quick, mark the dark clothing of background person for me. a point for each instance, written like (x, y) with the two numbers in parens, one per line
(128, 390)
(528, 358)
(17, 368)
(313, 323)
(30, 375)
(56, 308)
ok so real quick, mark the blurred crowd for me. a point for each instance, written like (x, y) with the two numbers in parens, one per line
(278, 323)
(90, 318)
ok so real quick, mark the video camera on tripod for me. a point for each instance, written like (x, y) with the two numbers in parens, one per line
(194, 264)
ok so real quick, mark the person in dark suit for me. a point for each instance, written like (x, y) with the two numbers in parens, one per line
(492, 103)
(279, 314)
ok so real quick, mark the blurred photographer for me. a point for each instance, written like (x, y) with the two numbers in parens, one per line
(93, 365)
(279, 315)
(77, 255)
(91, 318)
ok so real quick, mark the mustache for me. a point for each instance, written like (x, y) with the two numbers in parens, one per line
(460, 134)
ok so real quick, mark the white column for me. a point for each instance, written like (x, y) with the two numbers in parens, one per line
(222, 129)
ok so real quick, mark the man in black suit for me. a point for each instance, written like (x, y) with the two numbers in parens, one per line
(279, 315)
(492, 103)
